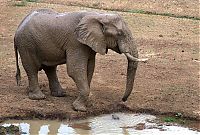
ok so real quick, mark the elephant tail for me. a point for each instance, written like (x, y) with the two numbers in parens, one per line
(18, 74)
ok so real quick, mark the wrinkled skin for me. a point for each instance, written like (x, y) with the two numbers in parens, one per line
(45, 39)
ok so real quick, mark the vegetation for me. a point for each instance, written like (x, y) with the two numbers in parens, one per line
(32, 0)
(9, 130)
(96, 6)
(163, 14)
(23, 2)
(139, 11)
(178, 118)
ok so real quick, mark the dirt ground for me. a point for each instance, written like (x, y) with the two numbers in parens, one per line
(177, 7)
(167, 84)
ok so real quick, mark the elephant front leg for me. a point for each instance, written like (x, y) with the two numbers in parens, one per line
(77, 70)
(91, 66)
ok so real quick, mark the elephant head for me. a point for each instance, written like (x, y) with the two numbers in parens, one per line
(109, 31)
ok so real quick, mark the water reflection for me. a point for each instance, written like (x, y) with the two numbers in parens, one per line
(98, 125)
(35, 127)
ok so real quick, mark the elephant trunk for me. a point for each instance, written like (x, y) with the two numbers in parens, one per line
(129, 49)
(131, 71)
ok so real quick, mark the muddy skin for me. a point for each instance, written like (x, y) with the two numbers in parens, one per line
(79, 36)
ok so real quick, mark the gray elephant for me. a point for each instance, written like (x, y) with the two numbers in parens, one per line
(46, 38)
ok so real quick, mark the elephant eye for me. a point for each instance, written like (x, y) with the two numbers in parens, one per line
(119, 33)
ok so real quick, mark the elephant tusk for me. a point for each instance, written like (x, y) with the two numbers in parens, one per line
(130, 57)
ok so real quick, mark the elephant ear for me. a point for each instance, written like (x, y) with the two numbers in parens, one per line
(90, 32)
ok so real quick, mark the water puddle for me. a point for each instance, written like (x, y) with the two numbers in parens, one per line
(112, 124)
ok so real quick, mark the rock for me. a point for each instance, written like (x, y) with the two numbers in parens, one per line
(140, 126)
(115, 117)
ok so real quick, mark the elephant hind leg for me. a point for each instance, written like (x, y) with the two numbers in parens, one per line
(31, 66)
(54, 85)
(34, 90)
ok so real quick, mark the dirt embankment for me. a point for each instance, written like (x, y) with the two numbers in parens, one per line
(170, 7)
(167, 84)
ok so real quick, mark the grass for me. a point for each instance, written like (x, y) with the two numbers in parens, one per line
(140, 12)
(95, 6)
(180, 121)
(175, 119)
(32, 0)
(23, 3)
(163, 14)
(169, 119)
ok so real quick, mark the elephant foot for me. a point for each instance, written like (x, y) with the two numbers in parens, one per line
(79, 105)
(58, 93)
(38, 95)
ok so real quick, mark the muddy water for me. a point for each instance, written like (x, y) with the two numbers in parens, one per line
(112, 124)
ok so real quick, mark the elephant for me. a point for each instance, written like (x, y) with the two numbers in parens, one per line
(46, 38)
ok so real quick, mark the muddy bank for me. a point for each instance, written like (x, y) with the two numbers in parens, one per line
(115, 123)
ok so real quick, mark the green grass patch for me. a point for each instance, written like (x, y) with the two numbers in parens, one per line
(32, 0)
(23, 3)
(175, 119)
(169, 119)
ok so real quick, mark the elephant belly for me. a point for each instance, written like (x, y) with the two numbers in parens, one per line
(53, 57)
(54, 63)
